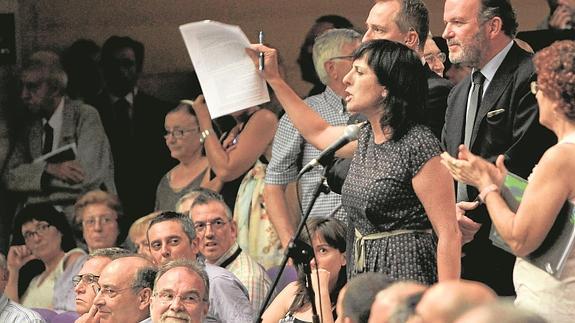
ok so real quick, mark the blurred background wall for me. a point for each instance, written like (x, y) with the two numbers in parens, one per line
(55, 24)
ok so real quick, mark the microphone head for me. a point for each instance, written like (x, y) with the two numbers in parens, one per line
(351, 132)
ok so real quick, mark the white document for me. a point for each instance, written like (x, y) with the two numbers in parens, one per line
(227, 75)
(59, 155)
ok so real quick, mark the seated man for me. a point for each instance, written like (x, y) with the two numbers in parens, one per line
(10, 311)
(172, 236)
(359, 296)
(446, 301)
(55, 122)
(125, 290)
(186, 280)
(396, 303)
(217, 234)
(86, 282)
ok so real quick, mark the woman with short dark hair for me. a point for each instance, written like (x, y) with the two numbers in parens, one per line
(41, 232)
(396, 192)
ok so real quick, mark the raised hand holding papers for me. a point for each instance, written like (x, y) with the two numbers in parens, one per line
(227, 75)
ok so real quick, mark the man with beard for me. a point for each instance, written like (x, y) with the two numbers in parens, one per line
(181, 292)
(492, 112)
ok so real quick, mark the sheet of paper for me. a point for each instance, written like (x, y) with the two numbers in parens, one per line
(228, 77)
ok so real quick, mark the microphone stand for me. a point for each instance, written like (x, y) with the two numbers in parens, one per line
(300, 252)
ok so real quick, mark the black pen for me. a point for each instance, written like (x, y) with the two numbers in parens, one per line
(261, 57)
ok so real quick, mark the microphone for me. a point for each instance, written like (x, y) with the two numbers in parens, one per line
(350, 133)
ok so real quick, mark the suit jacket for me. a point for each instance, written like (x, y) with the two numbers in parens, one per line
(433, 117)
(81, 124)
(434, 113)
(514, 130)
(141, 156)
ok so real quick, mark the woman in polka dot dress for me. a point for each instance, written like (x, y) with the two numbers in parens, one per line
(397, 193)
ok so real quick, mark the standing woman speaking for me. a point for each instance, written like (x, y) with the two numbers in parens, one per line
(397, 191)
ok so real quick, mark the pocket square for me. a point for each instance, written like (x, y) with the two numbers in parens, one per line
(495, 112)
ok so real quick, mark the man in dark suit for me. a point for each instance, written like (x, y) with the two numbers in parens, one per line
(134, 123)
(496, 114)
(406, 22)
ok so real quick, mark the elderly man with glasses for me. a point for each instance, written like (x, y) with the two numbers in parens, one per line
(86, 283)
(125, 291)
(181, 292)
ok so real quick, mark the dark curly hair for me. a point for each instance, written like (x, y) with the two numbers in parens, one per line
(400, 70)
(555, 67)
(47, 213)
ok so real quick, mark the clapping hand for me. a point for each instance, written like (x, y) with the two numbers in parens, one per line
(474, 170)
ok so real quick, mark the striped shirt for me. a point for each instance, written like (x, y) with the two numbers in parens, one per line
(290, 152)
(11, 312)
(252, 275)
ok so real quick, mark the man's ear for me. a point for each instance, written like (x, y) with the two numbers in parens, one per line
(144, 298)
(412, 39)
(234, 228)
(206, 308)
(194, 244)
(330, 69)
(494, 26)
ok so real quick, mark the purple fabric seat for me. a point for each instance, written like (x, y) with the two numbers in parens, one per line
(289, 275)
(51, 316)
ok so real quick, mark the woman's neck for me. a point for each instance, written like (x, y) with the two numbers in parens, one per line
(53, 261)
(379, 135)
(193, 161)
(564, 129)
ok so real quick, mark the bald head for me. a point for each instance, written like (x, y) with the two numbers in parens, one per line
(501, 312)
(446, 301)
(389, 301)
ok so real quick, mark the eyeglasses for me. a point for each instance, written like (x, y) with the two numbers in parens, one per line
(40, 229)
(534, 87)
(110, 292)
(87, 279)
(346, 57)
(178, 133)
(430, 58)
(103, 221)
(167, 297)
(216, 225)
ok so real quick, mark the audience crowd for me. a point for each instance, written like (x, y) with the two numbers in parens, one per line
(130, 209)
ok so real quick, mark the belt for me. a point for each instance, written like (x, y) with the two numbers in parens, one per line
(359, 250)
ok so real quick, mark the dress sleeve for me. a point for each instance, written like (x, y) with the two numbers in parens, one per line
(422, 145)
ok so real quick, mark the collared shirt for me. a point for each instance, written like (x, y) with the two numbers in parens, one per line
(490, 69)
(129, 98)
(290, 152)
(56, 121)
(11, 312)
(250, 273)
(229, 302)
